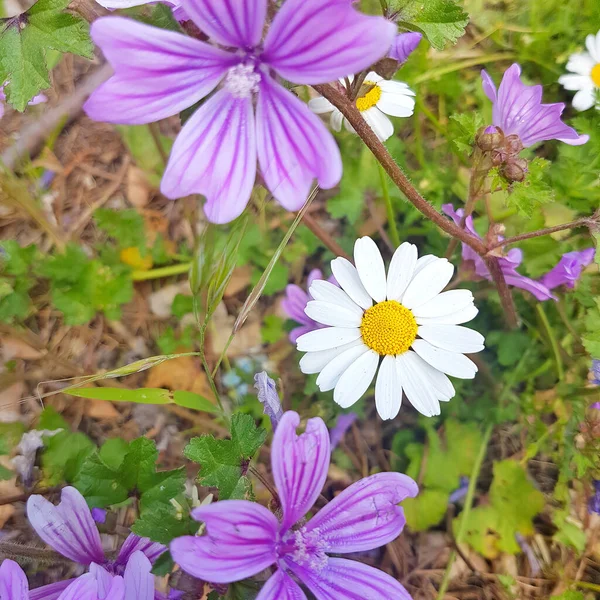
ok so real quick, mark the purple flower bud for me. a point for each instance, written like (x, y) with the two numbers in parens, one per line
(343, 424)
(569, 268)
(594, 502)
(404, 45)
(458, 494)
(99, 515)
(268, 396)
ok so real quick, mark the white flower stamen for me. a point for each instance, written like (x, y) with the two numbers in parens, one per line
(242, 81)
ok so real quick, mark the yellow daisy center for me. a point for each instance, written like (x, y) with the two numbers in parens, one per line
(596, 74)
(369, 96)
(388, 328)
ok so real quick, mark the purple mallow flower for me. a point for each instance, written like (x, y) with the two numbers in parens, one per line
(518, 110)
(295, 302)
(404, 45)
(244, 538)
(39, 99)
(594, 503)
(569, 268)
(251, 116)
(136, 583)
(69, 528)
(508, 263)
(268, 397)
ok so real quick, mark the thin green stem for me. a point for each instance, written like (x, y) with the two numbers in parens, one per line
(560, 371)
(464, 518)
(586, 585)
(394, 235)
(177, 269)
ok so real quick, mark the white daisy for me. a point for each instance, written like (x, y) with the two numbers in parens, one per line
(376, 97)
(404, 319)
(585, 75)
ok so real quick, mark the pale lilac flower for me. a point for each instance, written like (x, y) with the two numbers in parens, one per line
(596, 374)
(99, 515)
(518, 110)
(251, 116)
(594, 503)
(460, 492)
(69, 528)
(568, 270)
(404, 45)
(342, 425)
(27, 448)
(508, 263)
(268, 397)
(39, 99)
(295, 302)
(244, 538)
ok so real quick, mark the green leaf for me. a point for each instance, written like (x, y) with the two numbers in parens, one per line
(224, 462)
(125, 226)
(113, 451)
(527, 196)
(5, 473)
(426, 510)
(569, 595)
(463, 128)
(63, 456)
(25, 41)
(514, 502)
(272, 330)
(182, 305)
(100, 483)
(591, 339)
(441, 21)
(194, 401)
(10, 436)
(139, 396)
(161, 523)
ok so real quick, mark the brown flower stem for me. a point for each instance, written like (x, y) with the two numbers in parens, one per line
(327, 240)
(583, 222)
(348, 108)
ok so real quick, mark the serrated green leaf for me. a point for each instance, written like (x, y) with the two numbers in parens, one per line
(125, 226)
(463, 129)
(426, 510)
(441, 21)
(100, 483)
(64, 455)
(528, 195)
(113, 451)
(25, 41)
(224, 462)
(161, 523)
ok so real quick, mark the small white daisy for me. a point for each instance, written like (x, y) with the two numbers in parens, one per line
(585, 75)
(376, 97)
(413, 326)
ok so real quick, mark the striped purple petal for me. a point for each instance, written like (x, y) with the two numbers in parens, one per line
(569, 268)
(343, 579)
(294, 146)
(68, 527)
(13, 582)
(237, 23)
(134, 543)
(158, 73)
(311, 41)
(300, 464)
(404, 45)
(365, 515)
(139, 581)
(518, 109)
(295, 302)
(51, 591)
(239, 542)
(281, 586)
(215, 155)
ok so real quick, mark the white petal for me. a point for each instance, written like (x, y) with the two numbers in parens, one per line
(349, 127)
(373, 77)
(336, 120)
(420, 393)
(451, 363)
(379, 123)
(346, 275)
(464, 315)
(370, 267)
(428, 283)
(582, 64)
(324, 339)
(388, 391)
(445, 303)
(356, 379)
(576, 82)
(332, 372)
(584, 99)
(320, 105)
(425, 260)
(327, 292)
(444, 390)
(315, 362)
(452, 338)
(593, 46)
(401, 270)
(396, 99)
(332, 314)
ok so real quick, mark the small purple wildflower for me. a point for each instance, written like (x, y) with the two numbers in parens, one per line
(518, 110)
(244, 538)
(343, 424)
(404, 45)
(99, 515)
(295, 302)
(596, 373)
(268, 397)
(69, 528)
(569, 268)
(460, 492)
(39, 99)
(251, 117)
(594, 503)
(508, 263)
